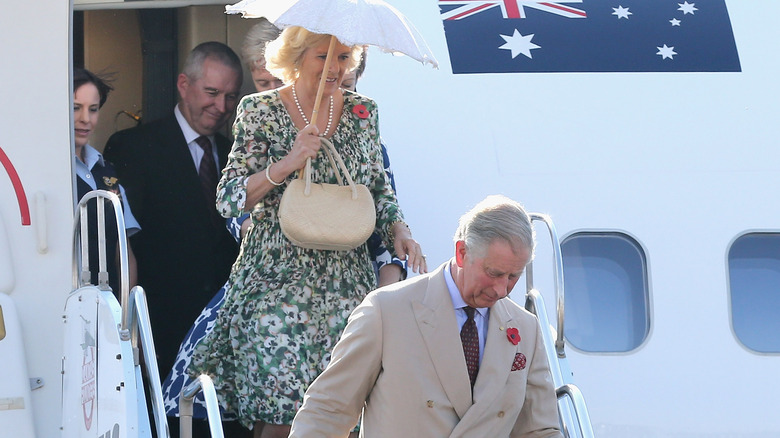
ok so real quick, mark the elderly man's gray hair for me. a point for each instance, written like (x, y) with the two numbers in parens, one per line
(496, 218)
(193, 65)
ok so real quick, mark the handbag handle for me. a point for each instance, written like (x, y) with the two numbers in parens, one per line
(331, 152)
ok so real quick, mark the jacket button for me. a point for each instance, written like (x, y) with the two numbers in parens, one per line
(501, 414)
(430, 403)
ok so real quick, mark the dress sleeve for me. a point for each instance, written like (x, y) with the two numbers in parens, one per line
(381, 260)
(387, 209)
(386, 164)
(248, 155)
(234, 226)
(381, 256)
(131, 224)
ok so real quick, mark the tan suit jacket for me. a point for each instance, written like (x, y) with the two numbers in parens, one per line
(400, 361)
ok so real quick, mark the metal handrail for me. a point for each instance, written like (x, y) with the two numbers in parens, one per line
(578, 401)
(554, 345)
(534, 303)
(81, 248)
(186, 403)
(141, 326)
(558, 271)
(135, 313)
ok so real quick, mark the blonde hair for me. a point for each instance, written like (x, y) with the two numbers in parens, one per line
(283, 55)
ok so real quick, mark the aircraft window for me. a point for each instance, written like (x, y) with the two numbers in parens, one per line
(754, 289)
(606, 292)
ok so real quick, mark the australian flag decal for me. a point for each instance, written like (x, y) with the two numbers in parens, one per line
(507, 36)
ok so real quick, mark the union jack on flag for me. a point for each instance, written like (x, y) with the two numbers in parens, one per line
(512, 36)
(509, 8)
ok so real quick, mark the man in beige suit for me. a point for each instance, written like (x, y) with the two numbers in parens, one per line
(402, 363)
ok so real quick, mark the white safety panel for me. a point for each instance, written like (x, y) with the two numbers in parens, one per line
(99, 389)
(15, 404)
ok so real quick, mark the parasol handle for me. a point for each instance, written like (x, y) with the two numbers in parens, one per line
(321, 87)
(320, 90)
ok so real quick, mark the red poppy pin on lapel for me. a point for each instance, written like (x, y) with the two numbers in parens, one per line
(513, 335)
(360, 111)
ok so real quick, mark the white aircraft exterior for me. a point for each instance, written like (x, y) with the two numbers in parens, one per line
(680, 168)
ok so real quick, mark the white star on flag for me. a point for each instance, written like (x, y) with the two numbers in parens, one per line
(518, 44)
(666, 52)
(621, 12)
(546, 36)
(687, 8)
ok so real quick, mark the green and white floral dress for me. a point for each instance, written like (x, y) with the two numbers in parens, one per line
(286, 306)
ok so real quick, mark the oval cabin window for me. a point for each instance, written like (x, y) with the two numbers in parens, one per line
(606, 292)
(754, 290)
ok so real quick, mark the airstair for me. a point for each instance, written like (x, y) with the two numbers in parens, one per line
(572, 410)
(104, 390)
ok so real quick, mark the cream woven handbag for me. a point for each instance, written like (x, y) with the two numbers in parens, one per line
(334, 217)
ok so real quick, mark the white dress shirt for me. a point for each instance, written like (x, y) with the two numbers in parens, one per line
(481, 315)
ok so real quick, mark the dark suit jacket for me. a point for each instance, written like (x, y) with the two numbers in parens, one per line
(184, 250)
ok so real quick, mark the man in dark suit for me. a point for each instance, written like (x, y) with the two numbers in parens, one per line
(170, 168)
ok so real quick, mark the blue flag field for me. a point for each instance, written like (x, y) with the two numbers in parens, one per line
(506, 36)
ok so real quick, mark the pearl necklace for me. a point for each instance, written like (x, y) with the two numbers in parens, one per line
(306, 119)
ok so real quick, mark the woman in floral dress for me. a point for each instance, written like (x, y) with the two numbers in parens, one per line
(287, 306)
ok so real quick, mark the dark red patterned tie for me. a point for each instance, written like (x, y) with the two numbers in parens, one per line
(470, 339)
(207, 171)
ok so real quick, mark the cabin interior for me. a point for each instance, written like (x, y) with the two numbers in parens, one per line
(143, 51)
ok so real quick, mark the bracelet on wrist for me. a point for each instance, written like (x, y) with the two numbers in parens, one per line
(268, 175)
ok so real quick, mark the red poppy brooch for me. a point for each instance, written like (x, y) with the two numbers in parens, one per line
(513, 335)
(360, 111)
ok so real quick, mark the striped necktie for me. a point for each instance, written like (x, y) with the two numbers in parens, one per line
(207, 171)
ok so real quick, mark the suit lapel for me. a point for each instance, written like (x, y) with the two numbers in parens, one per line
(436, 322)
(182, 170)
(497, 358)
(177, 154)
